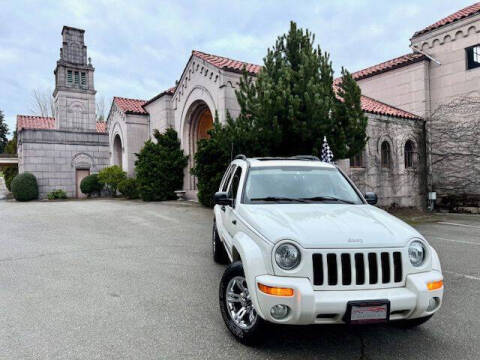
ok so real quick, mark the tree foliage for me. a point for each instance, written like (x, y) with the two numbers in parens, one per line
(3, 133)
(159, 167)
(286, 110)
(25, 187)
(90, 185)
(110, 177)
(129, 188)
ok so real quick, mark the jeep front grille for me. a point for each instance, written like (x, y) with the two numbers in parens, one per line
(357, 268)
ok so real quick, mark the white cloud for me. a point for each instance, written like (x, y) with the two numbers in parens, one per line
(140, 47)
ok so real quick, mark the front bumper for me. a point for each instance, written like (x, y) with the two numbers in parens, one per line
(328, 307)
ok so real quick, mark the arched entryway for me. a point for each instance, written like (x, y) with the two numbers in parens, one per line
(200, 121)
(117, 151)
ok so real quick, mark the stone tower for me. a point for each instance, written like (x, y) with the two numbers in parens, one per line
(74, 94)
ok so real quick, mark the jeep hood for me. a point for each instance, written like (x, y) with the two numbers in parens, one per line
(328, 225)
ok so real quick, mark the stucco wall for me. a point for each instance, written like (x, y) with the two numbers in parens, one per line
(138, 133)
(53, 156)
(447, 45)
(405, 87)
(161, 113)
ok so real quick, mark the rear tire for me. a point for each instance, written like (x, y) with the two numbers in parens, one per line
(219, 253)
(411, 323)
(234, 297)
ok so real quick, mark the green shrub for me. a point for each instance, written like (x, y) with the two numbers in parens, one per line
(91, 185)
(57, 194)
(159, 167)
(128, 188)
(25, 187)
(9, 174)
(110, 177)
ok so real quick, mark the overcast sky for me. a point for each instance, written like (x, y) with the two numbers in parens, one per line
(139, 48)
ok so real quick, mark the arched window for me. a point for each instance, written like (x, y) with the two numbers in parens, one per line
(409, 154)
(386, 155)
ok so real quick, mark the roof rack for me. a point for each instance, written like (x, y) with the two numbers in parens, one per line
(240, 157)
(296, 157)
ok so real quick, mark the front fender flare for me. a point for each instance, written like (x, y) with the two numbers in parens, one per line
(253, 263)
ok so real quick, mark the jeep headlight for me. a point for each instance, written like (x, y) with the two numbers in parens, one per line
(416, 253)
(287, 256)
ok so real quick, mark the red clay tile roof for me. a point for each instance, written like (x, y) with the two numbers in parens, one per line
(227, 64)
(385, 66)
(48, 123)
(34, 122)
(460, 14)
(170, 91)
(377, 107)
(101, 127)
(130, 106)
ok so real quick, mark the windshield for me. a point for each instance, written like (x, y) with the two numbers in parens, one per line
(298, 184)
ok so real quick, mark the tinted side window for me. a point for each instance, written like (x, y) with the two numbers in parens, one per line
(227, 177)
(235, 183)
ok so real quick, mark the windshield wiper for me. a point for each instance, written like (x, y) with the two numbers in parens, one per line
(328, 198)
(275, 198)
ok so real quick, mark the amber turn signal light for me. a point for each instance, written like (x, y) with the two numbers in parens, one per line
(434, 285)
(275, 291)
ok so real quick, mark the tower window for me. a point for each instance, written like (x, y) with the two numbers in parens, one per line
(473, 56)
(83, 79)
(69, 76)
(77, 78)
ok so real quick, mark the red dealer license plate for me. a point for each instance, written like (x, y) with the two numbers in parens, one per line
(367, 312)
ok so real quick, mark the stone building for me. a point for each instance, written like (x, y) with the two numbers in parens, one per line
(400, 98)
(208, 84)
(61, 150)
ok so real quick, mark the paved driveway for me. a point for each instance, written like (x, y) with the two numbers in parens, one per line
(107, 279)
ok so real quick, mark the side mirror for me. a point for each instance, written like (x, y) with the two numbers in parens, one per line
(371, 198)
(221, 198)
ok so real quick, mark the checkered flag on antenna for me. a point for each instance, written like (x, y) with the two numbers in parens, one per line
(327, 155)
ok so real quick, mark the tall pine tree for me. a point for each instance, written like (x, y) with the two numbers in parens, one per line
(292, 104)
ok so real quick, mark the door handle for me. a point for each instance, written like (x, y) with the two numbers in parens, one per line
(234, 222)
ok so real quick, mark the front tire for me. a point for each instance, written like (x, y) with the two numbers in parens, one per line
(236, 306)
(218, 250)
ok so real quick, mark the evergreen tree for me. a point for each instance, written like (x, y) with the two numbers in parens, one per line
(3, 133)
(159, 167)
(292, 104)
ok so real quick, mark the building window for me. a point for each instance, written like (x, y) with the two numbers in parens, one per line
(473, 56)
(77, 78)
(409, 154)
(386, 155)
(357, 161)
(83, 79)
(69, 76)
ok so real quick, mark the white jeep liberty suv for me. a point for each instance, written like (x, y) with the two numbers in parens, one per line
(306, 247)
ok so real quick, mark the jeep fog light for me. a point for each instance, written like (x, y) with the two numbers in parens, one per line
(279, 311)
(434, 285)
(433, 303)
(287, 256)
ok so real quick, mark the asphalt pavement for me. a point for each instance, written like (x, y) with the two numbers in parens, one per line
(116, 279)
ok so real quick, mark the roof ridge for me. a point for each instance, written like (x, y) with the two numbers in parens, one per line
(37, 116)
(387, 65)
(125, 98)
(458, 15)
